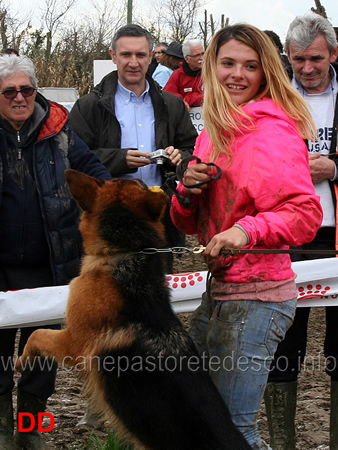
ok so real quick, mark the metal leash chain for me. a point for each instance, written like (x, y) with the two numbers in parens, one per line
(175, 250)
(234, 251)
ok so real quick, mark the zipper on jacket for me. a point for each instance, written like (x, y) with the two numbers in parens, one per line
(19, 141)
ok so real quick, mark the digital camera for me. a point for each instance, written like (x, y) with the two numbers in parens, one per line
(158, 156)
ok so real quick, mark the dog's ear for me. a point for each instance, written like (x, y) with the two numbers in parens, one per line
(83, 188)
(156, 203)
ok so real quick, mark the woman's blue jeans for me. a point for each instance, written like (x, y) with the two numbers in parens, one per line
(240, 338)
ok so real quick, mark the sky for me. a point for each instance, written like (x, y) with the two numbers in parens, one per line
(273, 15)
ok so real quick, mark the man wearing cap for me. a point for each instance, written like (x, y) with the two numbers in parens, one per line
(127, 116)
(174, 49)
(170, 60)
(186, 82)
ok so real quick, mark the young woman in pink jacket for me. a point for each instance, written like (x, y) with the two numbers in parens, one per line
(255, 124)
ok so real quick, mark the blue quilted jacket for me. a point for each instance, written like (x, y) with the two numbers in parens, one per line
(49, 146)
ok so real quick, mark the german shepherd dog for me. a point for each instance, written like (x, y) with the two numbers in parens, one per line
(141, 368)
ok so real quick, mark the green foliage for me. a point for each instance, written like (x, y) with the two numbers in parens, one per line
(35, 44)
(112, 443)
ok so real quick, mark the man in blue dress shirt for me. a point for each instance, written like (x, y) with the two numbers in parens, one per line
(127, 117)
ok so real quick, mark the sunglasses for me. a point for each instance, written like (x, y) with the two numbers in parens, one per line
(11, 93)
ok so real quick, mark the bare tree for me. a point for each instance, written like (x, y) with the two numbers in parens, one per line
(54, 12)
(104, 21)
(180, 17)
(208, 27)
(153, 20)
(12, 29)
(80, 41)
(319, 9)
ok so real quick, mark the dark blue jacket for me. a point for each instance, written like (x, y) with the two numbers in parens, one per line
(36, 200)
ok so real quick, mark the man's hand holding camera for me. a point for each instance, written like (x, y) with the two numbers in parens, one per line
(174, 155)
(136, 158)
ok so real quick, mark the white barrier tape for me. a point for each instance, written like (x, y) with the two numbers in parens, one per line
(317, 284)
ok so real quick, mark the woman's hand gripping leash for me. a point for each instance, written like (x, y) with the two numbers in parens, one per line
(226, 243)
(195, 178)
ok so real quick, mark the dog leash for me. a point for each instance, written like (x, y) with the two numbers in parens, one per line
(214, 173)
(171, 178)
(234, 251)
(174, 250)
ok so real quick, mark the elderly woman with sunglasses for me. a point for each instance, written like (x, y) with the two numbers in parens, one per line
(40, 244)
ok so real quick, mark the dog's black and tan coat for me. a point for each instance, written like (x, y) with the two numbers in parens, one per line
(141, 368)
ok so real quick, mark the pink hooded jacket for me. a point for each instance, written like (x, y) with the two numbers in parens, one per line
(266, 188)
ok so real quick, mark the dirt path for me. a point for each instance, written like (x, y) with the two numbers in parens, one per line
(68, 406)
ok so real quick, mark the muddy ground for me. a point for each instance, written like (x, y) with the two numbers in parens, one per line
(68, 406)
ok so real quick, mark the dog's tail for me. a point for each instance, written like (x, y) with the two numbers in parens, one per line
(161, 405)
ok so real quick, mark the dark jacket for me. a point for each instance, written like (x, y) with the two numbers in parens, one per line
(93, 119)
(35, 196)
